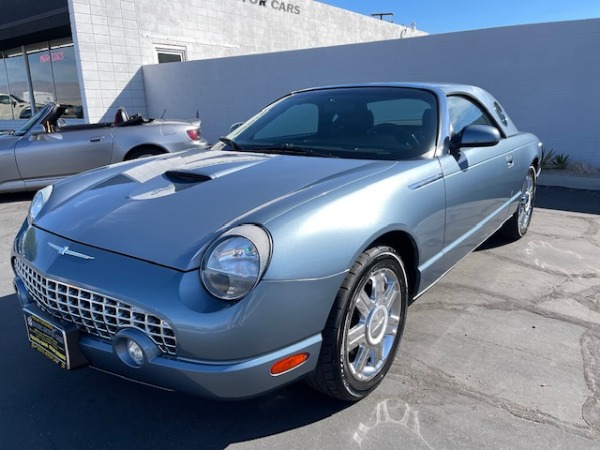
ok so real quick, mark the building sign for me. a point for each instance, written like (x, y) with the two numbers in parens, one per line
(276, 4)
(56, 56)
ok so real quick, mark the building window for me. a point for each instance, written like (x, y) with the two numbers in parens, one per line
(64, 71)
(6, 101)
(49, 73)
(170, 53)
(14, 64)
(40, 69)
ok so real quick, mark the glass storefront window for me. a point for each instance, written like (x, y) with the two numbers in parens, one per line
(17, 82)
(40, 70)
(52, 76)
(5, 99)
(66, 82)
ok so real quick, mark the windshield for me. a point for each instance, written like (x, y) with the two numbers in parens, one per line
(363, 122)
(33, 119)
(18, 99)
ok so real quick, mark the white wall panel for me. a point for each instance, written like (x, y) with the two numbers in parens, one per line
(546, 75)
(121, 35)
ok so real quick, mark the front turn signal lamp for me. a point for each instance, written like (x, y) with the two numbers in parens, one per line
(291, 362)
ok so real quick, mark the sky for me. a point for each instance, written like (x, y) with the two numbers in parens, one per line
(444, 16)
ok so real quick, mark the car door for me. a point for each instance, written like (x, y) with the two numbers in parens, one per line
(478, 183)
(10, 178)
(57, 154)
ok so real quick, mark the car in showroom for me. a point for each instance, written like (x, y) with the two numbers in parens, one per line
(289, 250)
(46, 148)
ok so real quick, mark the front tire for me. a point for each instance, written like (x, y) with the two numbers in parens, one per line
(364, 328)
(516, 227)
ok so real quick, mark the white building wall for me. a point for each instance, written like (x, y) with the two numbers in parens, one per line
(107, 41)
(114, 38)
(547, 76)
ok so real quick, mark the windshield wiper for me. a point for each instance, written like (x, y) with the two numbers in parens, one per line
(291, 149)
(231, 142)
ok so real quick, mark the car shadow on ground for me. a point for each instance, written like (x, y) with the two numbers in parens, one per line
(565, 199)
(16, 197)
(557, 198)
(44, 406)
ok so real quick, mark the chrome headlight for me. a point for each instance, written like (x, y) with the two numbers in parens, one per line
(38, 202)
(234, 264)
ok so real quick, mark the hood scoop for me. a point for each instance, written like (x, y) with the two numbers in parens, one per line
(172, 182)
(187, 176)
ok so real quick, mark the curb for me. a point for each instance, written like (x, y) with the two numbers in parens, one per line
(551, 179)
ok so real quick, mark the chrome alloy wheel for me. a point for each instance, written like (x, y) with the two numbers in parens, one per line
(372, 324)
(526, 202)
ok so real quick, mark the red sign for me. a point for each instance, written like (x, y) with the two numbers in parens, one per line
(56, 56)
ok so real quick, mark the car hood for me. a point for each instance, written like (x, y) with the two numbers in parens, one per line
(166, 209)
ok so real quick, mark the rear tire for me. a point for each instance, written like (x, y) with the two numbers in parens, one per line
(364, 328)
(143, 152)
(516, 227)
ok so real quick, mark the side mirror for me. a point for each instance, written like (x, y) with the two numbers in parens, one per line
(235, 126)
(61, 123)
(474, 136)
(37, 130)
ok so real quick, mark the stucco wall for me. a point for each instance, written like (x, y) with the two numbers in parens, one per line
(114, 38)
(546, 75)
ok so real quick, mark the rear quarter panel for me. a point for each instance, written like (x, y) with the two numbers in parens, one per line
(168, 137)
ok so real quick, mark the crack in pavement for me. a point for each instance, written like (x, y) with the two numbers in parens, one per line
(590, 351)
(508, 303)
(433, 376)
(594, 273)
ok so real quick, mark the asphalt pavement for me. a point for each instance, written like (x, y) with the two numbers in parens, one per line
(503, 353)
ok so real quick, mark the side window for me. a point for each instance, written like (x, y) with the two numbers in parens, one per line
(464, 112)
(297, 120)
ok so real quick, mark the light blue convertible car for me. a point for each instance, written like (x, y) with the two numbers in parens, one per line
(290, 250)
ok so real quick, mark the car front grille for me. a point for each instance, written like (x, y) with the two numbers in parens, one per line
(91, 312)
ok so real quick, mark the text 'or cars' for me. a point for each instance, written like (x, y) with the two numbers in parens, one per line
(289, 250)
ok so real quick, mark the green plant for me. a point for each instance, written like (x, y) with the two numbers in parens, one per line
(553, 160)
(560, 161)
(547, 158)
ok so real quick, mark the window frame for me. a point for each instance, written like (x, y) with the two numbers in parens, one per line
(473, 101)
(168, 49)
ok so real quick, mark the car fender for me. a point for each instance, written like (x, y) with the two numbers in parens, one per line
(333, 229)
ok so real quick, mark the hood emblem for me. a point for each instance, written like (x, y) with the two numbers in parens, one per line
(65, 251)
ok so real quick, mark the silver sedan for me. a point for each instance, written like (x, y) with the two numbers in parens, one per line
(45, 149)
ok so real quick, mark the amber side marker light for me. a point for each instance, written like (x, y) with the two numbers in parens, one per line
(289, 363)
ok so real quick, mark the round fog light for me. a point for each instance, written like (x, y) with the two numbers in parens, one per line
(134, 348)
(135, 352)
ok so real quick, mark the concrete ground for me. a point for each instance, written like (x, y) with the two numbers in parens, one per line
(503, 353)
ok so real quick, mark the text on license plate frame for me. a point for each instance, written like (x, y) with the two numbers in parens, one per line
(53, 340)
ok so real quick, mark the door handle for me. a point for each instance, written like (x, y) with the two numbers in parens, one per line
(510, 161)
(97, 139)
